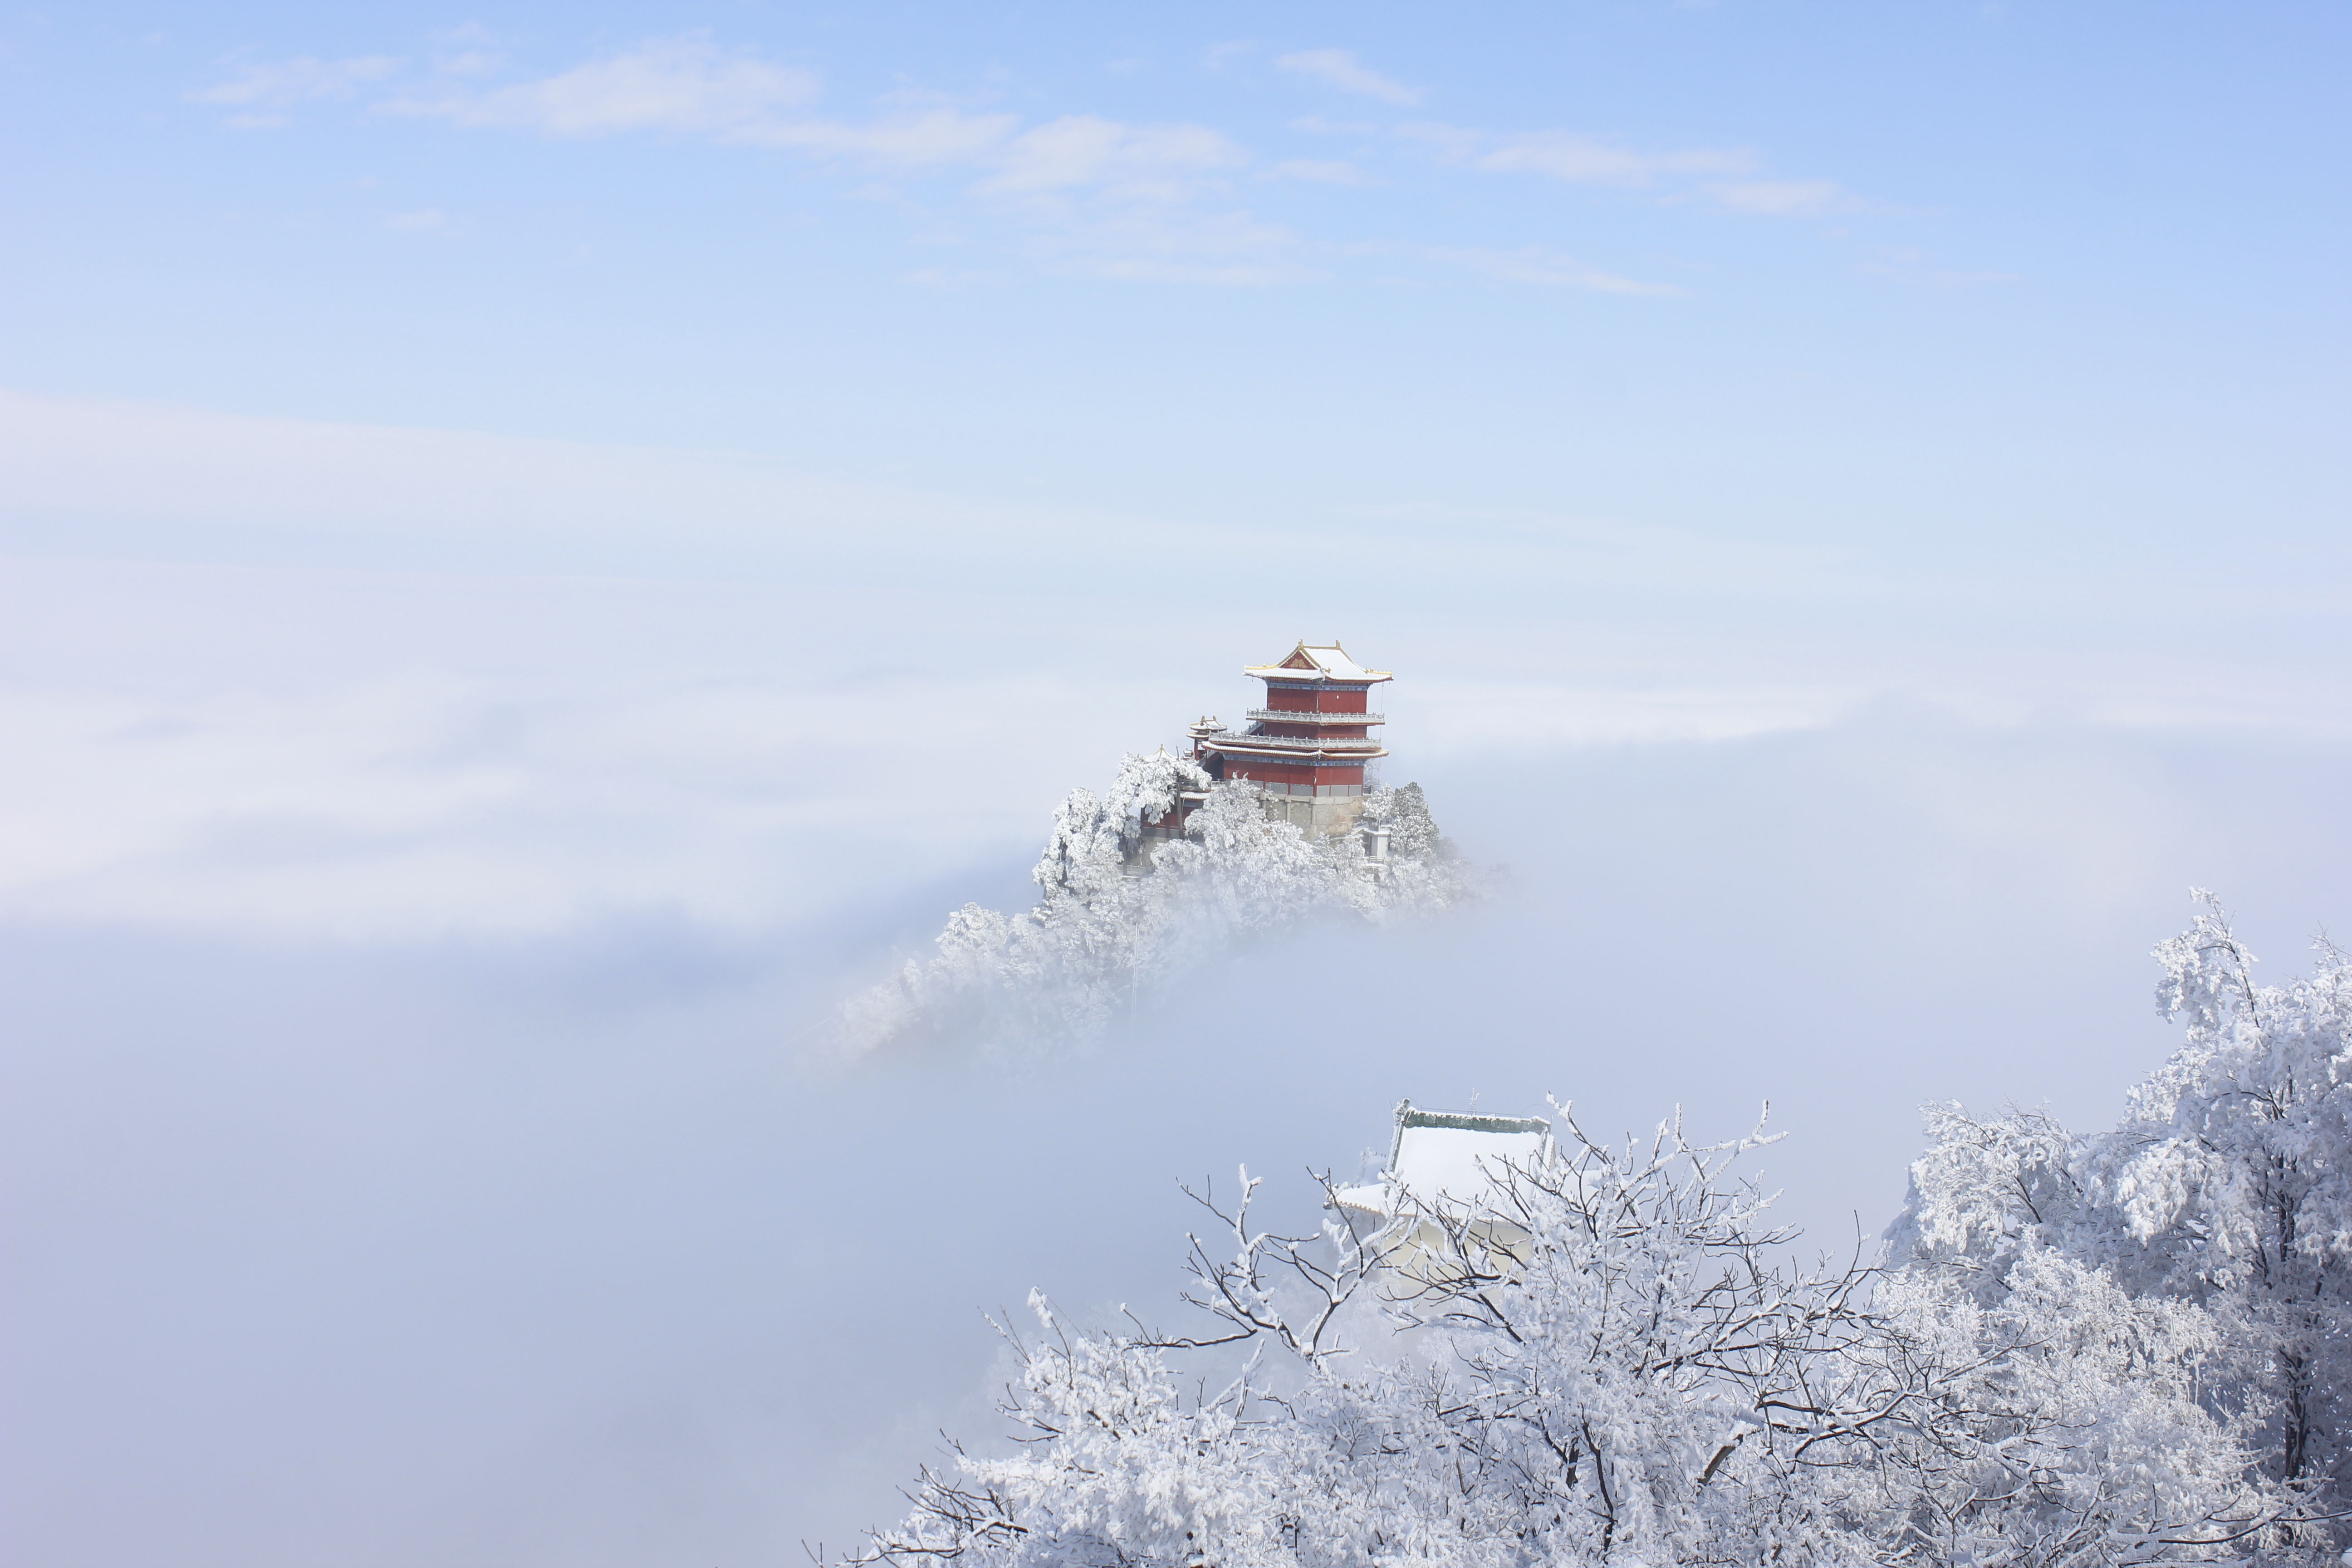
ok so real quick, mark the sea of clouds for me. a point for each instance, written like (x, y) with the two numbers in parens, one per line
(430, 864)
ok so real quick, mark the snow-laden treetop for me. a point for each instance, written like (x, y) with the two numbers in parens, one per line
(1120, 914)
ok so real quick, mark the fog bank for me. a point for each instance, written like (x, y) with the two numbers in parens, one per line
(553, 1249)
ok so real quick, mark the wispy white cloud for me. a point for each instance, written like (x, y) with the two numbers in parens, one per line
(1591, 161)
(1080, 193)
(1101, 199)
(685, 84)
(1151, 161)
(691, 85)
(1779, 198)
(1320, 171)
(1340, 68)
(1218, 59)
(1180, 245)
(277, 83)
(467, 50)
(1563, 156)
(932, 138)
(469, 62)
(1090, 194)
(1915, 266)
(262, 90)
(1532, 264)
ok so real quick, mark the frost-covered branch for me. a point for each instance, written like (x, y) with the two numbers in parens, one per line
(1608, 1362)
(1247, 1291)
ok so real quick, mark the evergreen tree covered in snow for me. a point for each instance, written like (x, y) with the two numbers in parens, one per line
(1120, 911)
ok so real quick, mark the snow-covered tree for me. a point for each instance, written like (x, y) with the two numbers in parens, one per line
(1986, 1192)
(1608, 1362)
(1119, 912)
(2066, 1425)
(2228, 1185)
(1412, 832)
(2233, 1173)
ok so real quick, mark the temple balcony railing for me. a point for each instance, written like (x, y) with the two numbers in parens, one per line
(1351, 744)
(1293, 716)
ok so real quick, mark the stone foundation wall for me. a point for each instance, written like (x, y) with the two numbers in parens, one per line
(1319, 816)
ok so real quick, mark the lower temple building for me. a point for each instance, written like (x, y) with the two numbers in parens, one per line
(1451, 1168)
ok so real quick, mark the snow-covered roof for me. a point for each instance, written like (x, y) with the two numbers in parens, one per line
(1319, 662)
(1453, 1155)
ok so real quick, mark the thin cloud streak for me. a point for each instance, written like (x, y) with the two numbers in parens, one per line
(1534, 264)
(1083, 149)
(687, 85)
(1565, 155)
(936, 138)
(280, 83)
(1779, 198)
(1320, 171)
(1340, 68)
(262, 92)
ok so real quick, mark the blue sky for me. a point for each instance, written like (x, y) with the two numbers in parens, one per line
(1864, 273)
(540, 547)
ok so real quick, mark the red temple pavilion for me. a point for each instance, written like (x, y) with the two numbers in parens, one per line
(1308, 747)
